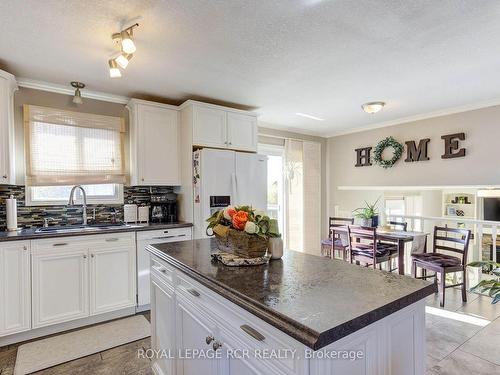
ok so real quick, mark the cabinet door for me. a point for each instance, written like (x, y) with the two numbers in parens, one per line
(112, 278)
(158, 140)
(162, 325)
(15, 290)
(236, 361)
(209, 127)
(60, 285)
(242, 132)
(7, 87)
(193, 327)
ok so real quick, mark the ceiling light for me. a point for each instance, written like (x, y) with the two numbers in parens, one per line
(309, 116)
(114, 72)
(77, 99)
(128, 45)
(372, 107)
(123, 59)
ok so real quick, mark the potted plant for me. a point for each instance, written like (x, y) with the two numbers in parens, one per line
(367, 216)
(243, 230)
(491, 286)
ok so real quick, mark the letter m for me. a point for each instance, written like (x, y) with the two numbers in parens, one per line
(414, 153)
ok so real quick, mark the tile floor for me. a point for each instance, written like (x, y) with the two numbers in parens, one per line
(462, 339)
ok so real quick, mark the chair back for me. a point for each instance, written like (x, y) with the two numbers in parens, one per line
(401, 225)
(458, 236)
(338, 221)
(357, 233)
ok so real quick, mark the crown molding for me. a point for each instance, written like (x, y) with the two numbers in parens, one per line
(424, 116)
(62, 89)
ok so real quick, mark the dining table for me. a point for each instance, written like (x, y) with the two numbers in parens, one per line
(398, 237)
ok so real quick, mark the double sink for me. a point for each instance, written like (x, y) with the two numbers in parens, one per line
(82, 228)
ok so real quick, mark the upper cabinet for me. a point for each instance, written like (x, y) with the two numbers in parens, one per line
(154, 144)
(8, 86)
(220, 127)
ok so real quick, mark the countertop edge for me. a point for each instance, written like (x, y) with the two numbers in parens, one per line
(132, 228)
(313, 339)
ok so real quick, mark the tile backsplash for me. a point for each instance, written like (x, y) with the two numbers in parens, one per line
(32, 216)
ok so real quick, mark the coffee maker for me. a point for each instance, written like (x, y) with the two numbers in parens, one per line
(164, 208)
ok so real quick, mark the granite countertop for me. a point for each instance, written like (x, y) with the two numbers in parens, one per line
(30, 234)
(315, 300)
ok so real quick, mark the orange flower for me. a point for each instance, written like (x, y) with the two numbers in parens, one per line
(240, 218)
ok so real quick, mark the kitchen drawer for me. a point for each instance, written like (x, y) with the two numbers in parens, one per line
(175, 234)
(249, 331)
(87, 241)
(162, 271)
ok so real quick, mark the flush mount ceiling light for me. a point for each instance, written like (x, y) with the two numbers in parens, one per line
(124, 40)
(114, 72)
(373, 107)
(309, 116)
(77, 99)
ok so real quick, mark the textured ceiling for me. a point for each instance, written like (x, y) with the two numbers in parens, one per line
(323, 58)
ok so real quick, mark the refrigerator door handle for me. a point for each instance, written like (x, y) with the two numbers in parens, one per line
(234, 188)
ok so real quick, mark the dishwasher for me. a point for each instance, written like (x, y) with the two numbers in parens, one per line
(144, 239)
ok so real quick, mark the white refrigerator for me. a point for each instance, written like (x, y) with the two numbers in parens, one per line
(223, 178)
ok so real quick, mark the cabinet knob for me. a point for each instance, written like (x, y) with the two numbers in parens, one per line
(230, 143)
(91, 255)
(209, 339)
(4, 176)
(84, 257)
(25, 247)
(142, 179)
(216, 345)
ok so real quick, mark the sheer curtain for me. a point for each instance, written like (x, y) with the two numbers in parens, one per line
(69, 148)
(303, 196)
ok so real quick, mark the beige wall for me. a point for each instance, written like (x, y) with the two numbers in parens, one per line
(479, 167)
(273, 136)
(61, 101)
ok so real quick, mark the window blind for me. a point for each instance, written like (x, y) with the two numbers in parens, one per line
(69, 148)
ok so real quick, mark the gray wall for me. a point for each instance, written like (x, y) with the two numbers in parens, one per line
(479, 167)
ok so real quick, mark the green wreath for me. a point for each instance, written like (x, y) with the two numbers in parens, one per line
(381, 146)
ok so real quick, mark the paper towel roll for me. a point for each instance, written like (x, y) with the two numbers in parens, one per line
(11, 209)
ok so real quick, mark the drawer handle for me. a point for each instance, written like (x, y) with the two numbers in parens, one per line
(163, 270)
(60, 244)
(194, 292)
(165, 231)
(111, 239)
(253, 332)
(162, 238)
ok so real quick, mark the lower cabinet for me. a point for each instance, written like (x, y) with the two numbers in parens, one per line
(15, 296)
(76, 277)
(60, 284)
(112, 278)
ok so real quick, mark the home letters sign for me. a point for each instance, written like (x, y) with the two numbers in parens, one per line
(414, 152)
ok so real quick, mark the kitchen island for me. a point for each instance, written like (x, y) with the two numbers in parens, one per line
(302, 314)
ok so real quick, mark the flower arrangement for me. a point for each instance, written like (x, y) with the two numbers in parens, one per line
(243, 218)
(243, 230)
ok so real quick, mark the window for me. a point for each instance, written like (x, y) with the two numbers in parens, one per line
(66, 148)
(59, 195)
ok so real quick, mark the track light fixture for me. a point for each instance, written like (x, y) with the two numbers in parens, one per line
(114, 72)
(124, 39)
(77, 99)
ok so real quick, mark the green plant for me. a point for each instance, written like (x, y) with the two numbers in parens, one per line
(491, 286)
(367, 212)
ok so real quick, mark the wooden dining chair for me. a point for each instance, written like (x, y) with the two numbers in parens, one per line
(364, 247)
(334, 241)
(399, 225)
(441, 264)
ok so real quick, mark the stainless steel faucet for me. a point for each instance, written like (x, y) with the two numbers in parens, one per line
(71, 201)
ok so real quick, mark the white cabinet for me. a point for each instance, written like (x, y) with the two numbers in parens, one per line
(15, 292)
(60, 284)
(112, 275)
(8, 86)
(209, 127)
(162, 337)
(76, 277)
(242, 132)
(220, 127)
(154, 144)
(195, 331)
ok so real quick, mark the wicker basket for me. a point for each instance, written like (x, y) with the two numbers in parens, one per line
(246, 245)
